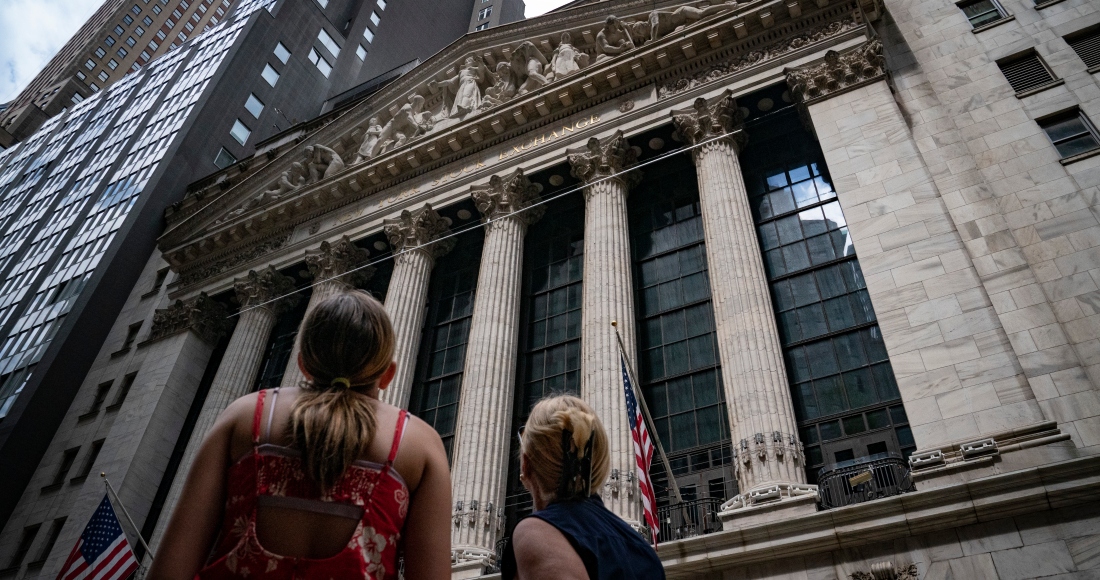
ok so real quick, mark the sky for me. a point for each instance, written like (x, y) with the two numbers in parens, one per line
(32, 31)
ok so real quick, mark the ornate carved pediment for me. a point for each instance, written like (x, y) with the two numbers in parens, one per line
(838, 72)
(487, 88)
(202, 314)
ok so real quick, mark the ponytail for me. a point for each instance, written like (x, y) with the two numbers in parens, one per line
(567, 448)
(347, 344)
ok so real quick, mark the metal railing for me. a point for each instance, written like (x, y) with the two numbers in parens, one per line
(865, 479)
(690, 518)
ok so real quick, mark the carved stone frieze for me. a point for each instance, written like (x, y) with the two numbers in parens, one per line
(418, 229)
(611, 157)
(337, 260)
(201, 314)
(886, 571)
(743, 61)
(508, 195)
(719, 117)
(193, 276)
(267, 288)
(839, 72)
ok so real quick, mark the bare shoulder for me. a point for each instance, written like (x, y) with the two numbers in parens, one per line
(542, 551)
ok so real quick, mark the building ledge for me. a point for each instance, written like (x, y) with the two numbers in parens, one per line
(120, 352)
(1080, 156)
(1041, 88)
(993, 24)
(1037, 489)
(1041, 5)
(1094, 69)
(52, 487)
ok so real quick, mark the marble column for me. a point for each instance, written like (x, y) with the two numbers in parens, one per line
(484, 418)
(761, 413)
(603, 165)
(263, 296)
(332, 268)
(415, 240)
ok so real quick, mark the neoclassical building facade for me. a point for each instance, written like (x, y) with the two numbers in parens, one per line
(850, 263)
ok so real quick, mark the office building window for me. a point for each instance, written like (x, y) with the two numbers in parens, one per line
(161, 35)
(368, 35)
(240, 132)
(1087, 46)
(484, 13)
(322, 64)
(281, 53)
(147, 21)
(328, 43)
(156, 9)
(89, 461)
(55, 531)
(254, 105)
(270, 75)
(323, 3)
(135, 9)
(99, 53)
(1026, 72)
(135, 67)
(481, 26)
(182, 37)
(77, 97)
(224, 159)
(139, 31)
(375, 18)
(130, 41)
(109, 41)
(80, 75)
(381, 4)
(361, 52)
(94, 87)
(128, 20)
(112, 64)
(101, 392)
(131, 335)
(121, 52)
(67, 459)
(982, 12)
(102, 76)
(119, 30)
(24, 546)
(1071, 133)
(123, 390)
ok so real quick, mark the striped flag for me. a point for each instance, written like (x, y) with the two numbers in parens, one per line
(102, 552)
(643, 453)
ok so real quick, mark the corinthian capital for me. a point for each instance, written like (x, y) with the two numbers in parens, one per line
(508, 195)
(201, 314)
(267, 287)
(838, 73)
(610, 157)
(337, 259)
(706, 120)
(416, 228)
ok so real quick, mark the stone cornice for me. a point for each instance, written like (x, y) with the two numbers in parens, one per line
(837, 73)
(193, 238)
(201, 314)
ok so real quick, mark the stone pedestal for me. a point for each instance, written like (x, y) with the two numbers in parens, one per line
(608, 296)
(330, 266)
(413, 237)
(761, 413)
(482, 436)
(259, 295)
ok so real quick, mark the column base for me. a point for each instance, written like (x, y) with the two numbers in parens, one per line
(464, 569)
(769, 504)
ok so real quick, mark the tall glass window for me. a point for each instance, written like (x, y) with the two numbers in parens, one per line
(677, 350)
(443, 342)
(550, 343)
(845, 395)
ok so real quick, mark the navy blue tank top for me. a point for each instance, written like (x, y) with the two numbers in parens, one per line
(608, 547)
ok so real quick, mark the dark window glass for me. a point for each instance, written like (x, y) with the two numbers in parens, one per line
(835, 356)
(1071, 133)
(982, 12)
(443, 343)
(280, 344)
(25, 542)
(55, 531)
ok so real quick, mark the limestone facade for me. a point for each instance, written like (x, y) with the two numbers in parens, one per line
(973, 237)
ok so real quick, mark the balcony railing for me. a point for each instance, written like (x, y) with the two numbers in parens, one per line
(865, 479)
(690, 518)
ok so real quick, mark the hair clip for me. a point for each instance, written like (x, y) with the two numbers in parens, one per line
(340, 381)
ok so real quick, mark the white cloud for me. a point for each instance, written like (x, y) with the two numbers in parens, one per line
(540, 7)
(31, 32)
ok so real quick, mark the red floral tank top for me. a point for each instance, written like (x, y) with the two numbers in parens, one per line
(273, 475)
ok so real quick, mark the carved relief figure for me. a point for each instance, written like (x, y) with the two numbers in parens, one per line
(526, 68)
(370, 139)
(290, 180)
(566, 59)
(465, 86)
(322, 162)
(410, 121)
(500, 91)
(662, 22)
(613, 39)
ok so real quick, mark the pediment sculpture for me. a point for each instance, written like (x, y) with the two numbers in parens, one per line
(462, 92)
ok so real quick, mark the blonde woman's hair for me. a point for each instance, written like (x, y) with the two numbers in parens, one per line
(566, 448)
(347, 344)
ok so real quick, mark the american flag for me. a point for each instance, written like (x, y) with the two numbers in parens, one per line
(643, 453)
(102, 552)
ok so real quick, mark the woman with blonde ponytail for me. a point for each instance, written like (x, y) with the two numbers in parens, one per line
(318, 481)
(564, 462)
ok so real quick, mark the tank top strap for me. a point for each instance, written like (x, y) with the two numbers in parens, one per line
(398, 434)
(257, 417)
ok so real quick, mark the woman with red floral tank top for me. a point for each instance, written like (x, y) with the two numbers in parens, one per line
(319, 481)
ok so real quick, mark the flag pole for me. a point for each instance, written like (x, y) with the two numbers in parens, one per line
(648, 418)
(137, 531)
